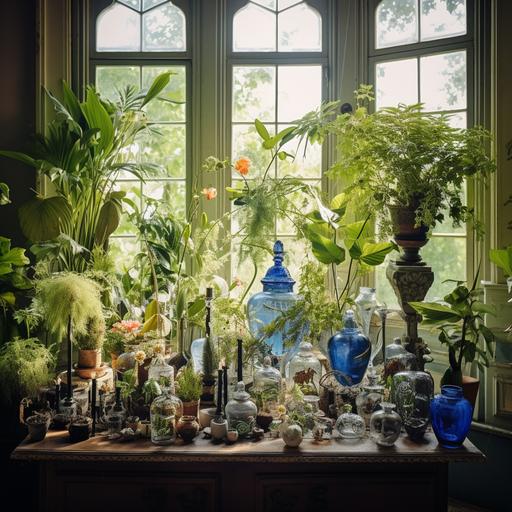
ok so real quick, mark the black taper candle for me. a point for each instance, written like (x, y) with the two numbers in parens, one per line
(70, 355)
(209, 296)
(93, 406)
(225, 385)
(218, 412)
(57, 396)
(240, 364)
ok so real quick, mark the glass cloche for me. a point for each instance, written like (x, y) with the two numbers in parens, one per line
(305, 370)
(266, 306)
(241, 412)
(267, 376)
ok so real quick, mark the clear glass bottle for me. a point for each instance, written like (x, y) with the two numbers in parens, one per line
(197, 346)
(266, 306)
(158, 368)
(163, 416)
(241, 412)
(385, 425)
(349, 352)
(368, 401)
(116, 415)
(305, 370)
(398, 359)
(366, 303)
(350, 425)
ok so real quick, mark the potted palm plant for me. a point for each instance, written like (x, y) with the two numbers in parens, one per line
(409, 167)
(460, 322)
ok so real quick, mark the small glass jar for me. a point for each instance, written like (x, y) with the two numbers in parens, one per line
(369, 400)
(116, 415)
(163, 418)
(385, 425)
(350, 425)
(241, 412)
(398, 359)
(305, 370)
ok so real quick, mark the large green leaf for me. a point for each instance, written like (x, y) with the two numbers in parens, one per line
(374, 254)
(44, 219)
(502, 258)
(261, 129)
(108, 221)
(97, 117)
(355, 231)
(71, 102)
(15, 257)
(4, 194)
(158, 85)
(21, 157)
(480, 307)
(323, 248)
(435, 312)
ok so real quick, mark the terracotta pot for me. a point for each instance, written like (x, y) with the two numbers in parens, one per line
(191, 408)
(264, 421)
(89, 364)
(408, 237)
(187, 428)
(113, 359)
(37, 427)
(470, 387)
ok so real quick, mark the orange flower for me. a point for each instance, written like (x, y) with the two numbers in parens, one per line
(210, 193)
(242, 165)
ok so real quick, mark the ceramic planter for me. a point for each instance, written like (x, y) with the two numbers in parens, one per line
(206, 416)
(89, 364)
(219, 429)
(80, 429)
(187, 428)
(37, 427)
(408, 237)
(264, 420)
(191, 408)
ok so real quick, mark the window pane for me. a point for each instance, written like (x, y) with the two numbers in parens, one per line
(283, 4)
(133, 192)
(164, 29)
(169, 193)
(122, 251)
(168, 149)
(442, 18)
(299, 91)
(271, 4)
(254, 29)
(299, 202)
(131, 3)
(300, 29)
(246, 142)
(118, 29)
(458, 120)
(176, 90)
(396, 23)
(396, 82)
(254, 93)
(309, 166)
(147, 4)
(444, 81)
(111, 79)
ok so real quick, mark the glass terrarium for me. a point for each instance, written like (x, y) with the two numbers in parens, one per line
(350, 425)
(241, 412)
(163, 415)
(368, 401)
(266, 306)
(267, 376)
(305, 370)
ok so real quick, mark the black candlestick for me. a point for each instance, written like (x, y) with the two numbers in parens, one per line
(225, 381)
(240, 365)
(209, 296)
(57, 396)
(70, 355)
(93, 406)
(218, 412)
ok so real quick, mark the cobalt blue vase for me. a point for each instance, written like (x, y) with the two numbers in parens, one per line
(349, 352)
(451, 416)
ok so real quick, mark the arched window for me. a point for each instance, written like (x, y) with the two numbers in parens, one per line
(278, 63)
(132, 42)
(422, 51)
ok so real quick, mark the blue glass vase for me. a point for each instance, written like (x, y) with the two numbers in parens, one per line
(266, 306)
(349, 352)
(451, 416)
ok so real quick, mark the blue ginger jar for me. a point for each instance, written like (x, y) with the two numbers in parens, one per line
(266, 306)
(349, 352)
(451, 416)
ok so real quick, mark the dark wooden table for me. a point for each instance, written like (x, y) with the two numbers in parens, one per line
(248, 476)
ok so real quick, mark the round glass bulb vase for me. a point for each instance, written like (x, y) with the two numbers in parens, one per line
(349, 352)
(451, 416)
(385, 425)
(266, 306)
(412, 392)
(350, 425)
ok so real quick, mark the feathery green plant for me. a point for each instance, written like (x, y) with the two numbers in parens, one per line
(189, 384)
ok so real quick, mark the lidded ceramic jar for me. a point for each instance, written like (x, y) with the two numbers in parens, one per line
(266, 306)
(349, 352)
(350, 425)
(241, 412)
(305, 370)
(385, 425)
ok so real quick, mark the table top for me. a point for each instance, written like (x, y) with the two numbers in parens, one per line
(57, 447)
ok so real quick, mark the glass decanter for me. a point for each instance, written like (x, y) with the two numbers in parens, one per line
(241, 412)
(366, 303)
(163, 412)
(266, 306)
(398, 359)
(116, 415)
(350, 425)
(305, 370)
(385, 425)
(349, 352)
(368, 401)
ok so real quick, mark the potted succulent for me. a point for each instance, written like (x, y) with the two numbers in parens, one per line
(189, 386)
(37, 426)
(264, 398)
(459, 320)
(80, 429)
(409, 167)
